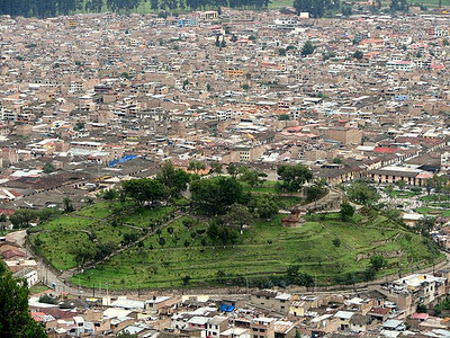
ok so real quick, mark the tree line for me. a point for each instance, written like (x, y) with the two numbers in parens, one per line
(50, 8)
(316, 8)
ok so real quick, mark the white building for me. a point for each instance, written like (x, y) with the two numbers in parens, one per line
(29, 274)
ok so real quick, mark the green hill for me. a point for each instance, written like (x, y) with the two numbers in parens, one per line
(324, 247)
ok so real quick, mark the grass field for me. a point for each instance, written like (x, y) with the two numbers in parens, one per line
(264, 251)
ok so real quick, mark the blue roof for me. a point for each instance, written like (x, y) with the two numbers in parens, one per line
(226, 308)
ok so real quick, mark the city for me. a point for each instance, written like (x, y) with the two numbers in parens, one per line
(257, 173)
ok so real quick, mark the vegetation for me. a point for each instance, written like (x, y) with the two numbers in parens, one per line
(50, 8)
(231, 231)
(362, 193)
(15, 319)
(316, 8)
(264, 252)
(293, 177)
(308, 48)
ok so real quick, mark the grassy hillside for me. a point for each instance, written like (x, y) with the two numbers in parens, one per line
(94, 225)
(263, 253)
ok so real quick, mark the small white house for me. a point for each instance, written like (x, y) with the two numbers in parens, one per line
(29, 274)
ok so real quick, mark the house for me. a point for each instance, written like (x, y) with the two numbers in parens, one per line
(344, 319)
(29, 275)
(359, 323)
(216, 326)
(393, 325)
(273, 300)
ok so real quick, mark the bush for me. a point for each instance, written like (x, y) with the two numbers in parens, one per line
(47, 299)
(337, 242)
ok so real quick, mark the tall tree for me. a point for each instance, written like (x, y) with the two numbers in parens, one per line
(308, 48)
(293, 177)
(15, 319)
(196, 166)
(215, 195)
(175, 179)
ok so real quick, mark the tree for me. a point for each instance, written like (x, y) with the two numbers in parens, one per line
(226, 235)
(314, 192)
(196, 166)
(421, 308)
(294, 276)
(293, 177)
(238, 216)
(216, 167)
(346, 10)
(232, 170)
(3, 220)
(48, 168)
(84, 253)
(188, 223)
(336, 242)
(162, 242)
(22, 218)
(308, 48)
(401, 184)
(394, 6)
(154, 4)
(186, 280)
(213, 229)
(110, 194)
(68, 207)
(377, 262)
(251, 177)
(416, 190)
(358, 55)
(78, 126)
(215, 195)
(362, 193)
(15, 319)
(266, 207)
(175, 179)
(347, 212)
(145, 190)
(445, 42)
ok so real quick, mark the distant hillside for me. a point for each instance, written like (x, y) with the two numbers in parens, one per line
(50, 8)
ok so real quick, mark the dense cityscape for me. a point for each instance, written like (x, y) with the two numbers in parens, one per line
(224, 170)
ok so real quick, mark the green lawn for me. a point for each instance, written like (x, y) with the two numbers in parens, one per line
(433, 212)
(402, 194)
(266, 250)
(38, 288)
(435, 198)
